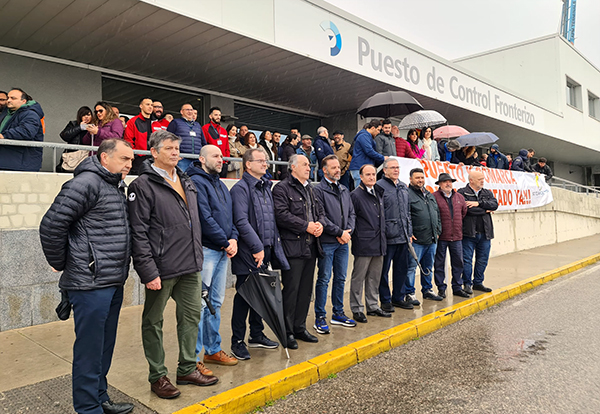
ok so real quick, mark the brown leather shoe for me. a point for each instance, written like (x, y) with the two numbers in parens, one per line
(220, 358)
(164, 389)
(197, 378)
(205, 371)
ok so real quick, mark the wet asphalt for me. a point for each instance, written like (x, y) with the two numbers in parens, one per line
(536, 353)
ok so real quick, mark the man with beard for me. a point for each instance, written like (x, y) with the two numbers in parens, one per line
(160, 121)
(216, 135)
(219, 243)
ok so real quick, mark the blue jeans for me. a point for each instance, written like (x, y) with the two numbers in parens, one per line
(214, 276)
(96, 315)
(481, 247)
(425, 253)
(355, 174)
(399, 254)
(335, 257)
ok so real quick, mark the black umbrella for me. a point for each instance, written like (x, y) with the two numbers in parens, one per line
(388, 104)
(262, 291)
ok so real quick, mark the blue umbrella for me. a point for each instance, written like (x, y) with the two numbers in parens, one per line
(477, 138)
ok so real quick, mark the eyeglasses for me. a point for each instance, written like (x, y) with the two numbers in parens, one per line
(260, 161)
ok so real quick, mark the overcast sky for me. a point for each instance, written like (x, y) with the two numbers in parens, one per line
(457, 28)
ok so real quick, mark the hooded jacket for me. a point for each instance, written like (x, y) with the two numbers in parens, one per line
(519, 161)
(85, 233)
(497, 160)
(216, 210)
(165, 230)
(24, 124)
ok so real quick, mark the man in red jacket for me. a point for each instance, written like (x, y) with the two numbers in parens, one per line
(159, 116)
(453, 208)
(215, 134)
(138, 131)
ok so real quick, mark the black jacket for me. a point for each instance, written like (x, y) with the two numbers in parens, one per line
(72, 133)
(166, 234)
(368, 238)
(521, 162)
(287, 150)
(547, 171)
(397, 211)
(291, 214)
(487, 202)
(248, 196)
(85, 233)
(425, 216)
(338, 210)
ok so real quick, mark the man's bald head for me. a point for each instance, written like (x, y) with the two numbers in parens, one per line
(211, 159)
(476, 180)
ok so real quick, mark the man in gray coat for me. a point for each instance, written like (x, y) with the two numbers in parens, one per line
(385, 142)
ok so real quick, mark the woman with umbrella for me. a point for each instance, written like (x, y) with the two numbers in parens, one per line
(427, 143)
(413, 141)
(466, 156)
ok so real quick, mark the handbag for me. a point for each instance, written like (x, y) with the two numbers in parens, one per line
(70, 160)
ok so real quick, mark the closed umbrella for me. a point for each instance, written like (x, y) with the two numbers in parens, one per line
(449, 131)
(388, 104)
(422, 119)
(477, 138)
(262, 291)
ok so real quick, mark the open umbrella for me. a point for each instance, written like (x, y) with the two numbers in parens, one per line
(388, 104)
(262, 291)
(477, 138)
(422, 119)
(449, 131)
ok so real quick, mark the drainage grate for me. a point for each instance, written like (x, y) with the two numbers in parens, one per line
(54, 397)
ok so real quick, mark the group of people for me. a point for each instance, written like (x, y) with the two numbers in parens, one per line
(182, 228)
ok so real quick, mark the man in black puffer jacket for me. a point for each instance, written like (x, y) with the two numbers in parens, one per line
(85, 234)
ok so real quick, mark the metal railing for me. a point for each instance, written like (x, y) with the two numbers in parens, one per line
(572, 186)
(58, 146)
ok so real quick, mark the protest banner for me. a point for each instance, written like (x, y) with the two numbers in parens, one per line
(514, 190)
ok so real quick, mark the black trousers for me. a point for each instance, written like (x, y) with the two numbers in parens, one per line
(240, 311)
(297, 292)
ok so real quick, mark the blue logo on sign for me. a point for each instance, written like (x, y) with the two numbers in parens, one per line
(334, 33)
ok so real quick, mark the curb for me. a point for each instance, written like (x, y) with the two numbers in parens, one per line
(247, 397)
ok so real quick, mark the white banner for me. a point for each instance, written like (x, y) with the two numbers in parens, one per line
(514, 190)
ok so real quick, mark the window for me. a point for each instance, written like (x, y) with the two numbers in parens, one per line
(573, 94)
(594, 106)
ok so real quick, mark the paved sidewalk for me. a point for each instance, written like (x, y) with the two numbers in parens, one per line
(43, 352)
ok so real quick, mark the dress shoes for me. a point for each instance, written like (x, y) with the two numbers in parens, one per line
(110, 407)
(379, 312)
(291, 342)
(442, 293)
(468, 289)
(481, 288)
(403, 304)
(197, 378)
(164, 389)
(359, 317)
(306, 337)
(461, 293)
(388, 307)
